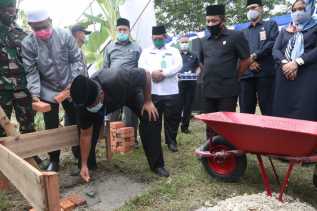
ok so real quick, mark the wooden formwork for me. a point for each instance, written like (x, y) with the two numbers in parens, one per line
(40, 189)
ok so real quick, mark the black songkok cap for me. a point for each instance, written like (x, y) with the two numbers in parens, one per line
(158, 30)
(123, 22)
(83, 91)
(218, 9)
(249, 2)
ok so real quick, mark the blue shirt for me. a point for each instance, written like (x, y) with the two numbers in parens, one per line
(261, 38)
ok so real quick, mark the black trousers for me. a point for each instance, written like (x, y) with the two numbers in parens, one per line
(150, 131)
(218, 104)
(255, 90)
(51, 120)
(168, 108)
(187, 91)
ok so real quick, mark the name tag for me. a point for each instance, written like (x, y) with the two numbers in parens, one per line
(13, 66)
(263, 35)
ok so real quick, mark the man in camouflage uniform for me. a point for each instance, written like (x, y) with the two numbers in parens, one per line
(13, 91)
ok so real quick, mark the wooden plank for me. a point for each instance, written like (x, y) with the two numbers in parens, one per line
(52, 191)
(9, 128)
(31, 144)
(27, 179)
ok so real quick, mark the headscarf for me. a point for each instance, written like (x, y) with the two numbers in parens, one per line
(295, 47)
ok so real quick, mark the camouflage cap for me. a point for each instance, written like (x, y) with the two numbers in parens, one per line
(6, 3)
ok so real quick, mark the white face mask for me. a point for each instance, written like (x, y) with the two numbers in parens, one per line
(300, 17)
(253, 15)
(96, 108)
(184, 46)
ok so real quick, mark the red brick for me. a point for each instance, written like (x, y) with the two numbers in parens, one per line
(63, 95)
(119, 140)
(66, 204)
(115, 125)
(4, 184)
(78, 200)
(125, 132)
(41, 107)
(123, 149)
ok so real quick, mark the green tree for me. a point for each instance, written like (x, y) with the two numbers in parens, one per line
(188, 15)
(106, 22)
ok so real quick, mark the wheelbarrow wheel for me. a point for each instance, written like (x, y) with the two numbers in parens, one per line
(228, 169)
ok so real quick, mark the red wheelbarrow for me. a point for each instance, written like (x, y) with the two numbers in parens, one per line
(224, 157)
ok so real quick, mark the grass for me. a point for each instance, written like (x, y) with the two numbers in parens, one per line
(4, 201)
(189, 187)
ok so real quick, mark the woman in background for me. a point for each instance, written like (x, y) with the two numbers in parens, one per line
(295, 52)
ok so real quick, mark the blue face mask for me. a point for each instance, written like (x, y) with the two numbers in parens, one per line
(253, 15)
(300, 17)
(122, 37)
(95, 109)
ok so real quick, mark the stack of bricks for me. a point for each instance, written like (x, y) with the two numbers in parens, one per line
(121, 138)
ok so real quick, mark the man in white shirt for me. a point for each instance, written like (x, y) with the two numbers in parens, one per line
(164, 63)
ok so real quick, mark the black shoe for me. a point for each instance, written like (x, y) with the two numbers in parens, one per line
(53, 166)
(185, 130)
(162, 172)
(172, 147)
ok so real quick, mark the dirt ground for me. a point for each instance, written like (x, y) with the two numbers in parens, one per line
(109, 189)
(126, 183)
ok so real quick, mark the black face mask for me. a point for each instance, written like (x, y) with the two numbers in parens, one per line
(215, 29)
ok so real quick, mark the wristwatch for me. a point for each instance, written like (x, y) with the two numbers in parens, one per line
(284, 61)
(253, 56)
(299, 61)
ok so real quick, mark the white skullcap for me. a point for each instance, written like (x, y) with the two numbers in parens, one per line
(37, 12)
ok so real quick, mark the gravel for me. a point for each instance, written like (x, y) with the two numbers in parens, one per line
(259, 202)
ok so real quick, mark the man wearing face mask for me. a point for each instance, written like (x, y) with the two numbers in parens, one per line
(257, 83)
(220, 52)
(164, 63)
(80, 34)
(187, 89)
(52, 60)
(123, 53)
(13, 84)
(107, 91)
